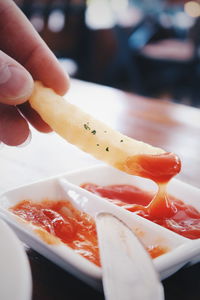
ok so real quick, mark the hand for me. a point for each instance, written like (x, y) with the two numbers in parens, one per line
(24, 57)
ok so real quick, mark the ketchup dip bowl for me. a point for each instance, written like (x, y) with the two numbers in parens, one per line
(180, 251)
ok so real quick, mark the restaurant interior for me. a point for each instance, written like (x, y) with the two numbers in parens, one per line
(135, 67)
(146, 47)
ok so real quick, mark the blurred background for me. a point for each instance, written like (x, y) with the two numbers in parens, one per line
(149, 47)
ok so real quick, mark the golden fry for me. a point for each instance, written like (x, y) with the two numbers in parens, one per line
(82, 130)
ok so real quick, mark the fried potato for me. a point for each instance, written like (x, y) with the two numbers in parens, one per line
(87, 133)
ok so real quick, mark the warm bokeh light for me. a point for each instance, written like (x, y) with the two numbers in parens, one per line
(105, 13)
(192, 8)
(99, 14)
(56, 20)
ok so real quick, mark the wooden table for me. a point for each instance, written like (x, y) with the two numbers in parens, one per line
(164, 124)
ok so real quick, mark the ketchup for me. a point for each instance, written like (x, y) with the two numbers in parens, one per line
(180, 218)
(78, 230)
(63, 221)
(159, 168)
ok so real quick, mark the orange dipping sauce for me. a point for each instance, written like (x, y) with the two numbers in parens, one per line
(62, 220)
(74, 228)
(183, 219)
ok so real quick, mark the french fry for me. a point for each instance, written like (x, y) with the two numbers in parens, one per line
(87, 133)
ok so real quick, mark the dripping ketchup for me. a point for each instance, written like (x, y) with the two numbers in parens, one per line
(184, 219)
(159, 168)
(77, 229)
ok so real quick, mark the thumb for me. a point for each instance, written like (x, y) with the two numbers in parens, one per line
(16, 84)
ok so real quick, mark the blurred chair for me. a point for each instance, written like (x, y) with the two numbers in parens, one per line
(119, 70)
(124, 69)
(168, 65)
(110, 57)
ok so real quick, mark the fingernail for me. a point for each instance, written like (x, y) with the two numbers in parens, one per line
(5, 74)
(15, 83)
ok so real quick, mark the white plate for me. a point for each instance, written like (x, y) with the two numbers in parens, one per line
(182, 250)
(15, 274)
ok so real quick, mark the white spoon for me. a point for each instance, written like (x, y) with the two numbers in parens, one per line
(127, 269)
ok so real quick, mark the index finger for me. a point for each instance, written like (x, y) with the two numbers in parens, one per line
(21, 41)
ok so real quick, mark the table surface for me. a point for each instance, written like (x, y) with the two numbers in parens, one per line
(161, 123)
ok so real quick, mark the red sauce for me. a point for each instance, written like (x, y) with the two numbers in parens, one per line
(183, 219)
(156, 251)
(77, 229)
(60, 219)
(74, 228)
(159, 168)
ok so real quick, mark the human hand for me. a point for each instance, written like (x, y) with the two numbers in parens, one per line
(24, 57)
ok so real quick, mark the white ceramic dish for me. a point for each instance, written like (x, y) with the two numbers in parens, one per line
(181, 250)
(15, 274)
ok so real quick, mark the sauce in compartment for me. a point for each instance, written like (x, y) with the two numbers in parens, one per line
(183, 219)
(62, 220)
(77, 229)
